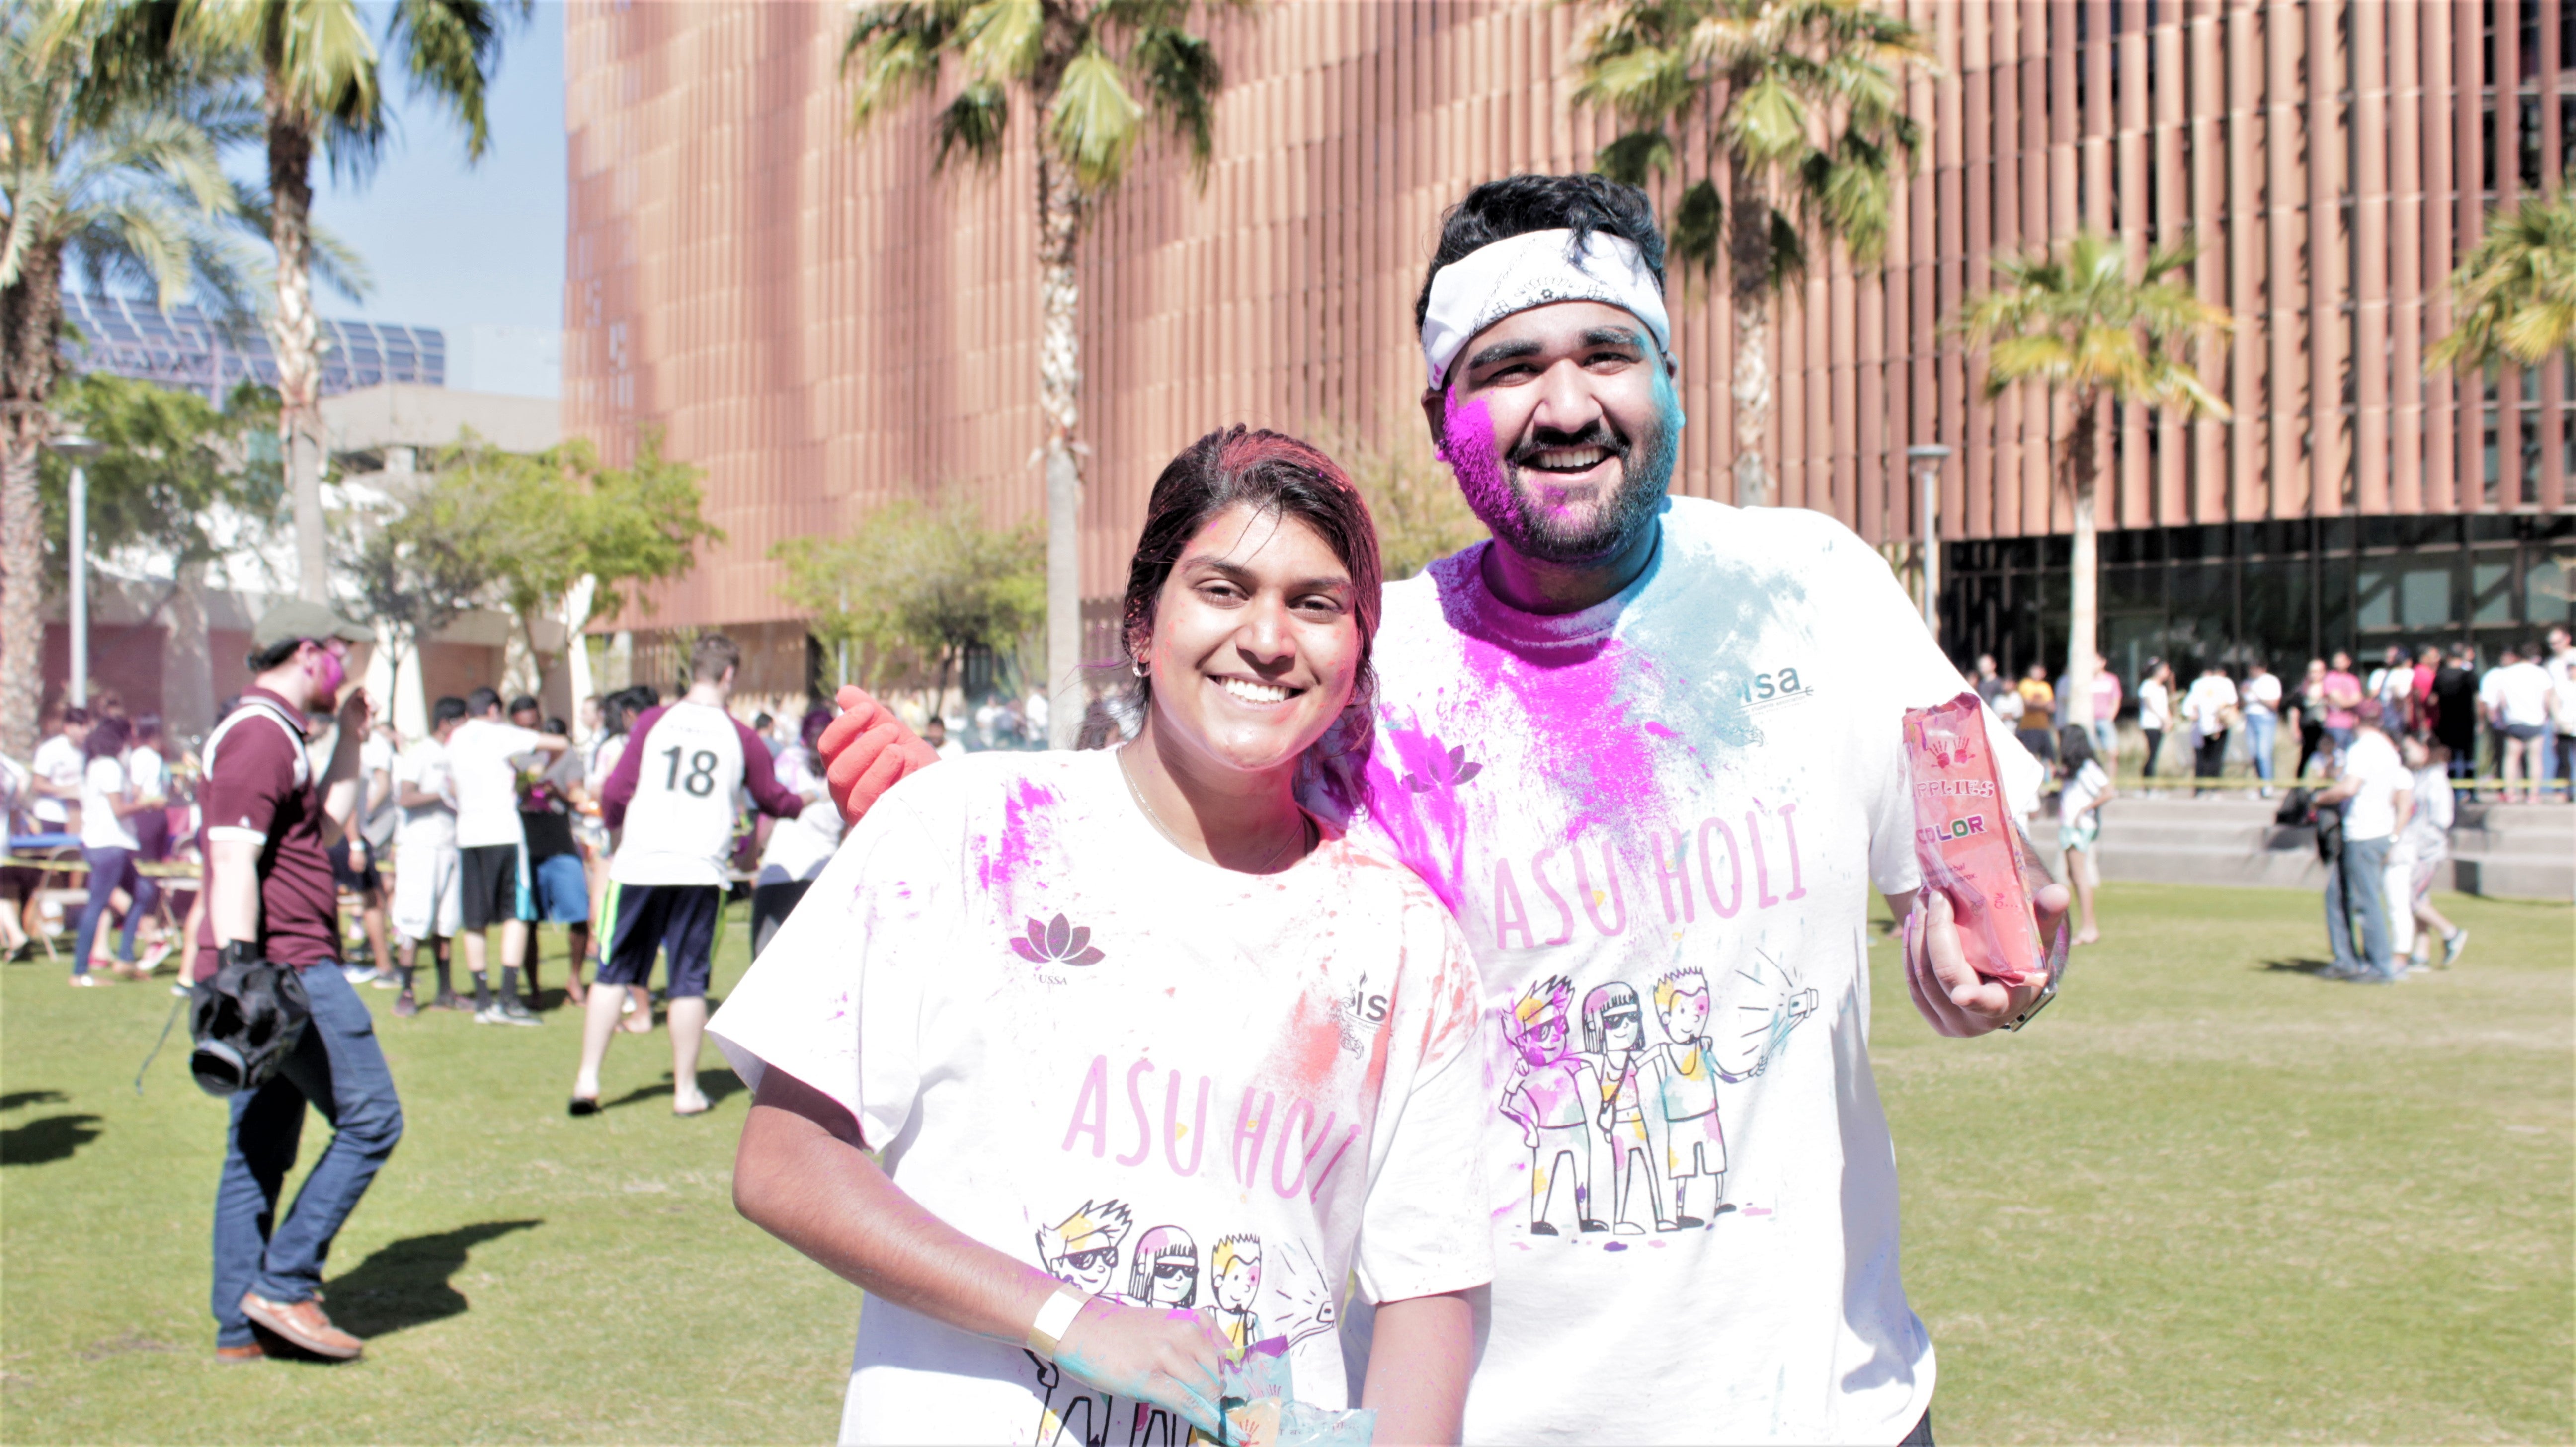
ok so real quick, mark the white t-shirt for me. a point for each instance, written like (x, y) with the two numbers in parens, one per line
(2562, 681)
(481, 758)
(1081, 1046)
(798, 848)
(147, 771)
(2428, 829)
(431, 827)
(2155, 706)
(57, 762)
(2209, 695)
(102, 786)
(376, 758)
(2372, 760)
(2262, 694)
(1703, 775)
(2082, 787)
(679, 827)
(2522, 693)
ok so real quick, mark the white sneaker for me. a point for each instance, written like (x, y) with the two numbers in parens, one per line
(357, 974)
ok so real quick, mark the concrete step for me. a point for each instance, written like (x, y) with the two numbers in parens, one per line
(2510, 850)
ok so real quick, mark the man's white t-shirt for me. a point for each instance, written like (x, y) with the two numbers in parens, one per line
(57, 762)
(679, 827)
(427, 827)
(2372, 760)
(2562, 683)
(2522, 694)
(1159, 1080)
(1658, 821)
(147, 772)
(798, 848)
(375, 764)
(482, 758)
(2210, 696)
(102, 785)
(2262, 694)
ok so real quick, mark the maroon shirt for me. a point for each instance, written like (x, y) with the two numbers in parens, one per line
(251, 791)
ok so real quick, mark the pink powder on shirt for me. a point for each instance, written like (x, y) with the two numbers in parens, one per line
(1007, 859)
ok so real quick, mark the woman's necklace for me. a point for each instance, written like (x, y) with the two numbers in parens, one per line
(1304, 824)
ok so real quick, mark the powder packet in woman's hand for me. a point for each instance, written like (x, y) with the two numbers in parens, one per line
(1966, 841)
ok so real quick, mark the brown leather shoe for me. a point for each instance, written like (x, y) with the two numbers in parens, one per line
(247, 1352)
(302, 1324)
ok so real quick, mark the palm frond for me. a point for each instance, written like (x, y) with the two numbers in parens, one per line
(974, 123)
(452, 49)
(1182, 76)
(891, 54)
(1637, 157)
(1096, 122)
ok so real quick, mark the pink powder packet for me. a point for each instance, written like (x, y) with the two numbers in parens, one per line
(1966, 842)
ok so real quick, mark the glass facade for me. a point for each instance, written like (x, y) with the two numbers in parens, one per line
(186, 348)
(2283, 592)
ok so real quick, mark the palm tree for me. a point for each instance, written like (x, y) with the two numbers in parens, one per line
(2085, 325)
(1802, 97)
(1094, 73)
(2515, 293)
(116, 173)
(319, 85)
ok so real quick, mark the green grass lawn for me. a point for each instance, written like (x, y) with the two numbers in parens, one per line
(2206, 1197)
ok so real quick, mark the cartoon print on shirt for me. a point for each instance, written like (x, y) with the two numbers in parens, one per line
(1614, 1041)
(1764, 1017)
(1681, 1106)
(1081, 1251)
(1234, 1279)
(1165, 1272)
(1554, 1101)
(1301, 1299)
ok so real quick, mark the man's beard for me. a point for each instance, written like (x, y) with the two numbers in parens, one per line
(1500, 493)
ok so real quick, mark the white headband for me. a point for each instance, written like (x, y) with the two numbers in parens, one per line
(1534, 269)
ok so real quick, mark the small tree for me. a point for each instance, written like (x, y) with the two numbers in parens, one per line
(936, 583)
(2513, 298)
(2085, 325)
(1415, 502)
(430, 563)
(1805, 102)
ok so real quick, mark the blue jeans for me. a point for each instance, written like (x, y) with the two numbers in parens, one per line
(2357, 882)
(2261, 729)
(338, 1069)
(109, 871)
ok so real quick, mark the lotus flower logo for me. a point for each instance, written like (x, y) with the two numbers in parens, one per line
(1453, 771)
(1057, 942)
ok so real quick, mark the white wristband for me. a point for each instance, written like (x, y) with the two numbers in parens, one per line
(1053, 1318)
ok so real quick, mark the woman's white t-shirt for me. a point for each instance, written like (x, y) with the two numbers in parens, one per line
(798, 848)
(2155, 706)
(2083, 787)
(102, 789)
(1153, 1078)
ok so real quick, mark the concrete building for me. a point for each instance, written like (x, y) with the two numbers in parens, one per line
(186, 348)
(824, 323)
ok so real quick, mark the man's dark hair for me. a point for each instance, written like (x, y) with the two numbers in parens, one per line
(446, 711)
(760, 723)
(1500, 210)
(557, 726)
(275, 656)
(107, 739)
(524, 703)
(711, 656)
(73, 715)
(482, 701)
(147, 726)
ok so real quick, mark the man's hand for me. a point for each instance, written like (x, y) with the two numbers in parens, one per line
(1955, 998)
(1168, 1358)
(866, 751)
(356, 712)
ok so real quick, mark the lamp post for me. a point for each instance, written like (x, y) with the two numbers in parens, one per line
(1926, 461)
(79, 450)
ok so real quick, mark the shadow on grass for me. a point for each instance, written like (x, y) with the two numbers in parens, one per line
(2299, 967)
(716, 1084)
(17, 1098)
(404, 1283)
(47, 1139)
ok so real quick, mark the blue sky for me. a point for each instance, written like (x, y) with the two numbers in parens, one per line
(451, 245)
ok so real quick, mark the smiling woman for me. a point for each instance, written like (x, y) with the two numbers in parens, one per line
(1038, 986)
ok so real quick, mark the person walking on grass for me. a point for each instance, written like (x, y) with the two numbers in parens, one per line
(427, 891)
(617, 714)
(492, 850)
(2426, 842)
(798, 848)
(2211, 708)
(673, 800)
(2079, 824)
(555, 870)
(108, 845)
(270, 819)
(356, 860)
(2376, 793)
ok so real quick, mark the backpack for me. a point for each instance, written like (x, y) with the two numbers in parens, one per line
(245, 1020)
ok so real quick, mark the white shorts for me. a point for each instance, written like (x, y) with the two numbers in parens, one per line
(427, 896)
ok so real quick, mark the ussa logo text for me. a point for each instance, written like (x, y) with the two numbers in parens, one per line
(1777, 684)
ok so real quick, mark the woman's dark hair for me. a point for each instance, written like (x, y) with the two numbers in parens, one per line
(1500, 210)
(2073, 748)
(107, 738)
(811, 727)
(1275, 475)
(147, 727)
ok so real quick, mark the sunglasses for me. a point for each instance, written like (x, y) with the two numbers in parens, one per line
(1092, 1260)
(1175, 1271)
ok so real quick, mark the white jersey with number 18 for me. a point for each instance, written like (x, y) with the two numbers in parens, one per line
(688, 793)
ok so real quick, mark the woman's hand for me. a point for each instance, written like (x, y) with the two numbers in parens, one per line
(1168, 1358)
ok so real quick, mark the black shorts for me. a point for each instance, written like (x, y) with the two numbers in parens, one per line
(355, 881)
(677, 919)
(493, 886)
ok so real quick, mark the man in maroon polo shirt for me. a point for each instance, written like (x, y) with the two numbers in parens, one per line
(270, 895)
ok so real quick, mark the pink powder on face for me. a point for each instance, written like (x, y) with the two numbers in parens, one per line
(1483, 477)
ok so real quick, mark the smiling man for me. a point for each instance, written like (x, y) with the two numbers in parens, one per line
(1650, 743)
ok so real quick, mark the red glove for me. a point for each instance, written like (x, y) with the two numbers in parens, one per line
(867, 751)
